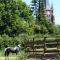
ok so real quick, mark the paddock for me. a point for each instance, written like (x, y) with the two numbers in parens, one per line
(38, 49)
(12, 56)
(43, 47)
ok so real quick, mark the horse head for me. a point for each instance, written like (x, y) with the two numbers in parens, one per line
(19, 45)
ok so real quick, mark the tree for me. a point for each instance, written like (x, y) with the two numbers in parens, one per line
(15, 16)
(57, 29)
(41, 20)
(39, 11)
(38, 6)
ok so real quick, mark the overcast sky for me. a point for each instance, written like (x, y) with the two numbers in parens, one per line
(56, 6)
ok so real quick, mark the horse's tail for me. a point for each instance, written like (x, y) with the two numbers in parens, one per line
(6, 52)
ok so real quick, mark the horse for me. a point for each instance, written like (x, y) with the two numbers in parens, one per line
(15, 49)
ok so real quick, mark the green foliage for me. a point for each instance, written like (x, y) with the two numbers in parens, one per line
(58, 57)
(22, 56)
(15, 16)
(5, 40)
(43, 25)
(57, 29)
(17, 24)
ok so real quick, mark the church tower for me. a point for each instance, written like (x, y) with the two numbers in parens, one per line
(52, 16)
(49, 12)
(43, 5)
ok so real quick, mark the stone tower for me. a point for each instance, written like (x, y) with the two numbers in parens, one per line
(49, 12)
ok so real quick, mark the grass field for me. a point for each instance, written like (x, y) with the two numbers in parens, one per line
(21, 56)
(12, 56)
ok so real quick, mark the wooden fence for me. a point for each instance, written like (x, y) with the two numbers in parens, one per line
(42, 46)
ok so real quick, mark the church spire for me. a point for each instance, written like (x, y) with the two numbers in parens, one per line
(47, 4)
(52, 7)
(52, 16)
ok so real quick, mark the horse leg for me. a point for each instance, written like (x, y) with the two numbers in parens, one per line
(6, 55)
(16, 53)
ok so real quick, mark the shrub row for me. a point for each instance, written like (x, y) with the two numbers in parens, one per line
(5, 40)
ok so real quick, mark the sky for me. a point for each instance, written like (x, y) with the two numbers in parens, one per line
(56, 7)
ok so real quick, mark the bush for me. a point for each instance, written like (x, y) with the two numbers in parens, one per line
(5, 41)
(58, 57)
(22, 56)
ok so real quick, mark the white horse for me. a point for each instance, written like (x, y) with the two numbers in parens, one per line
(12, 50)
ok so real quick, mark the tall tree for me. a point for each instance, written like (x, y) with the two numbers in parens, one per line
(14, 17)
(39, 13)
(38, 7)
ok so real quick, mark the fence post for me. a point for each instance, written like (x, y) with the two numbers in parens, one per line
(57, 47)
(33, 46)
(44, 45)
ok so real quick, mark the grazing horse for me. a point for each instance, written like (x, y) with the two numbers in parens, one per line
(12, 50)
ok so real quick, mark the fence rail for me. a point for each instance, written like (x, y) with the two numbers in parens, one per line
(44, 46)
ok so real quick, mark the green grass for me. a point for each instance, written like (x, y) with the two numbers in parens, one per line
(12, 56)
